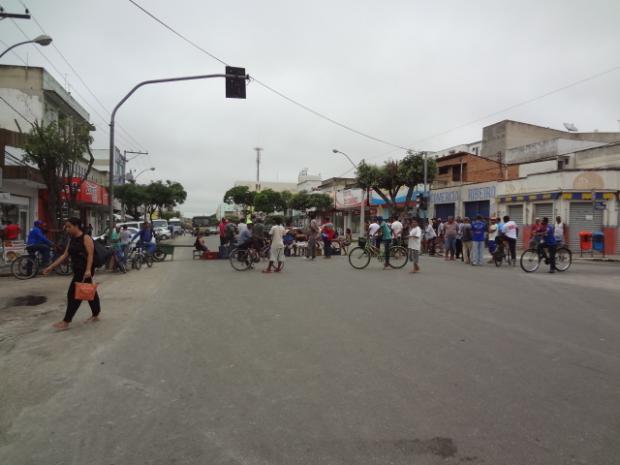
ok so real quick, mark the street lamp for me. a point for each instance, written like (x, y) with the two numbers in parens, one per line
(230, 79)
(363, 206)
(42, 40)
(133, 178)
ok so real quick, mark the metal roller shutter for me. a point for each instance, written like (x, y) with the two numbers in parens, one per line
(544, 209)
(444, 210)
(577, 222)
(473, 209)
(515, 212)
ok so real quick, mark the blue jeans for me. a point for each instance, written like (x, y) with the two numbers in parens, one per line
(478, 251)
(450, 246)
(386, 245)
(43, 249)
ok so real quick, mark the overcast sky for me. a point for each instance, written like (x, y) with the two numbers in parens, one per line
(402, 71)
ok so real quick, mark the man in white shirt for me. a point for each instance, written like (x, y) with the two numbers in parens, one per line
(277, 247)
(510, 233)
(397, 230)
(372, 230)
(415, 244)
(559, 231)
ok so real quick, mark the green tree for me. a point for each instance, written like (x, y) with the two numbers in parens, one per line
(61, 152)
(300, 201)
(132, 195)
(387, 180)
(268, 201)
(242, 196)
(412, 171)
(320, 202)
(287, 198)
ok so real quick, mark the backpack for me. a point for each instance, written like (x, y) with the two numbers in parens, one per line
(100, 254)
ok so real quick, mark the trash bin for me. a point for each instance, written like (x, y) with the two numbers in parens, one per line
(598, 241)
(585, 241)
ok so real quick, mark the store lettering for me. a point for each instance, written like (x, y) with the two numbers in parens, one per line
(445, 197)
(481, 193)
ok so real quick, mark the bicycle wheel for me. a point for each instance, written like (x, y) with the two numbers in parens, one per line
(159, 255)
(64, 269)
(239, 260)
(398, 257)
(136, 262)
(148, 259)
(498, 261)
(24, 267)
(530, 261)
(359, 258)
(563, 259)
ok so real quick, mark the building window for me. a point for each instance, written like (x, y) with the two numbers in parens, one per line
(443, 170)
(456, 173)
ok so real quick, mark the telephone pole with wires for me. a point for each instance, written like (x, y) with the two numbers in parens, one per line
(258, 151)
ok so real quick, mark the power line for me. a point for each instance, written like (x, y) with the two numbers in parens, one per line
(16, 110)
(263, 84)
(51, 63)
(133, 140)
(495, 113)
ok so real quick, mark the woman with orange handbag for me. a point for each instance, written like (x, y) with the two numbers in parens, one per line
(81, 249)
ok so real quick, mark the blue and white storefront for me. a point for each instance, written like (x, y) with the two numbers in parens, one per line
(468, 200)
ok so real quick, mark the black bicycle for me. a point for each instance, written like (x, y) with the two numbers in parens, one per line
(532, 257)
(28, 266)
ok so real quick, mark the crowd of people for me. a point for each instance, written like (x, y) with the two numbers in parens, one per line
(464, 238)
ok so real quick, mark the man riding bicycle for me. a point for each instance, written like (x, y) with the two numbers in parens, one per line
(145, 236)
(38, 242)
(547, 241)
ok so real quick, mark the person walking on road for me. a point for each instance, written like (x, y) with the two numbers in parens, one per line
(313, 234)
(277, 247)
(478, 229)
(414, 244)
(397, 231)
(81, 249)
(459, 239)
(510, 233)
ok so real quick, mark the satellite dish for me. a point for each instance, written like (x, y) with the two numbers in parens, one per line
(571, 127)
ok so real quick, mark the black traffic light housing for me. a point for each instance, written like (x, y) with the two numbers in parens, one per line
(235, 87)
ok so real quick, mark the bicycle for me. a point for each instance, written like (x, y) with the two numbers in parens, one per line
(531, 258)
(244, 259)
(360, 256)
(142, 255)
(28, 266)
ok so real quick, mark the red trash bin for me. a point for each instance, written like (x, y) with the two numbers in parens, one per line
(585, 240)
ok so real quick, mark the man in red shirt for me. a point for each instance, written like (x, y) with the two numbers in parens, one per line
(11, 231)
(222, 228)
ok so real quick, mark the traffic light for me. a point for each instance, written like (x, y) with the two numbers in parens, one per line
(235, 87)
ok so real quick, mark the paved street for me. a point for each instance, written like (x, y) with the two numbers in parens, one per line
(195, 363)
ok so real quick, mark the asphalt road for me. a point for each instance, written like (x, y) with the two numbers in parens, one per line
(195, 363)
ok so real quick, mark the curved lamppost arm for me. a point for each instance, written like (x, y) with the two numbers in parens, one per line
(124, 99)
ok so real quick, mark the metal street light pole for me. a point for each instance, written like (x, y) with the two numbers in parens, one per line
(123, 100)
(152, 168)
(42, 40)
(363, 205)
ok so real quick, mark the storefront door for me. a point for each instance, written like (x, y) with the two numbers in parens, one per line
(444, 210)
(473, 209)
(582, 217)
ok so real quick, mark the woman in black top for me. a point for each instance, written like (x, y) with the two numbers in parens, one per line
(81, 249)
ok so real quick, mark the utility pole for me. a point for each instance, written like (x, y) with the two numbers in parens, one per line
(258, 151)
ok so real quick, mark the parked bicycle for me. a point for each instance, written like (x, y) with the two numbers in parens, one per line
(28, 266)
(244, 259)
(360, 256)
(531, 258)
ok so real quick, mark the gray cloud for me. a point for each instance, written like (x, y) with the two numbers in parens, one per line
(399, 70)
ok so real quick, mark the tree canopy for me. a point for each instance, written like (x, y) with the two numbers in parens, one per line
(388, 179)
(154, 196)
(61, 152)
(240, 195)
